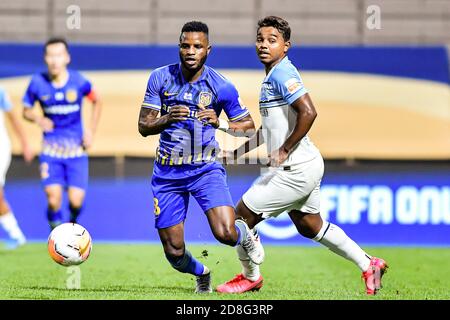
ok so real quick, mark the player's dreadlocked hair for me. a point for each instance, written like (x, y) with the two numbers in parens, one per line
(56, 40)
(278, 23)
(195, 26)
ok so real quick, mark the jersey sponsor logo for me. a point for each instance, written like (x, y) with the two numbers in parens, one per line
(62, 109)
(187, 96)
(293, 85)
(169, 94)
(71, 95)
(204, 99)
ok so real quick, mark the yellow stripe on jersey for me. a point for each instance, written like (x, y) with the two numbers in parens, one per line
(239, 117)
(151, 106)
(166, 159)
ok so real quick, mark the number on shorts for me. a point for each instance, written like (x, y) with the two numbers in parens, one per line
(44, 170)
(157, 208)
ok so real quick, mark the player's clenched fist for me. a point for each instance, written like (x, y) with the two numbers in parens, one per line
(208, 116)
(45, 124)
(178, 113)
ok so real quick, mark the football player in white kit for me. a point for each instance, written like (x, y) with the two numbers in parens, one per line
(7, 218)
(292, 182)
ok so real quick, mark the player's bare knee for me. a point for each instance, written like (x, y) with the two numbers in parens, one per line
(307, 232)
(309, 229)
(77, 204)
(54, 201)
(76, 198)
(226, 236)
(173, 250)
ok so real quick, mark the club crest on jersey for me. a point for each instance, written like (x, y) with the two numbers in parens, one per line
(204, 99)
(71, 95)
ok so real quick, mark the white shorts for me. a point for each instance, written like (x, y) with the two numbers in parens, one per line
(281, 190)
(5, 160)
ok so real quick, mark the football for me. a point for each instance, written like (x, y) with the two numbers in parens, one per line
(69, 244)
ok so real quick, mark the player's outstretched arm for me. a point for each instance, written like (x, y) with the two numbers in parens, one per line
(242, 128)
(18, 129)
(306, 114)
(150, 124)
(254, 142)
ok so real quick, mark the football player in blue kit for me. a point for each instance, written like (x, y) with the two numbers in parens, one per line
(63, 161)
(190, 97)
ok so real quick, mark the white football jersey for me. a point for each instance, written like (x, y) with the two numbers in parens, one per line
(281, 87)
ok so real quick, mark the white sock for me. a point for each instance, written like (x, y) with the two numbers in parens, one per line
(9, 223)
(205, 270)
(335, 239)
(249, 269)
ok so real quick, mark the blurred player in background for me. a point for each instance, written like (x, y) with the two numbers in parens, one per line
(292, 183)
(7, 219)
(190, 96)
(63, 161)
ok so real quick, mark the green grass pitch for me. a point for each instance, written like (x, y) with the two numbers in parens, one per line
(140, 271)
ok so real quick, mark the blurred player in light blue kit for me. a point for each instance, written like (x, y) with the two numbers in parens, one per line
(7, 218)
(190, 97)
(63, 161)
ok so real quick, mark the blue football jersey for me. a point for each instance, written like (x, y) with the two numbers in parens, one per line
(190, 141)
(62, 105)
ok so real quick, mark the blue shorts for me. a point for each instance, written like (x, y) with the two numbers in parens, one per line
(171, 186)
(72, 172)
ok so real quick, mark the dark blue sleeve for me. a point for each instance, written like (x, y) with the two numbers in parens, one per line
(152, 100)
(30, 95)
(231, 103)
(86, 86)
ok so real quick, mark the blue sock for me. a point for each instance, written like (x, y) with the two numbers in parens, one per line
(54, 217)
(186, 264)
(241, 230)
(74, 213)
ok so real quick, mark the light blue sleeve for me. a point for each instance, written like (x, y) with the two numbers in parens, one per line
(152, 100)
(288, 83)
(5, 102)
